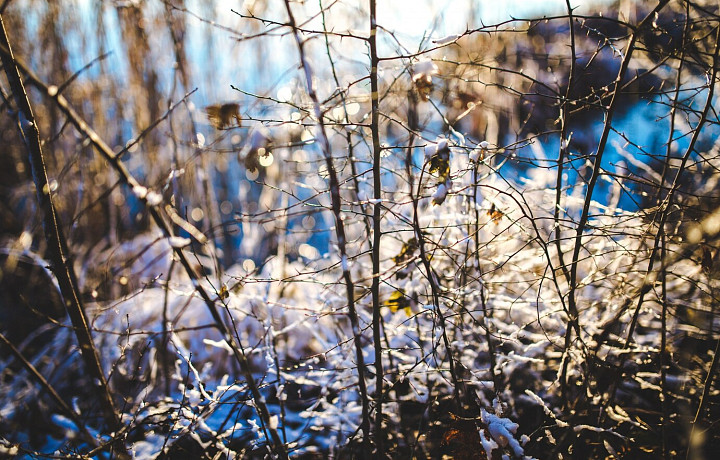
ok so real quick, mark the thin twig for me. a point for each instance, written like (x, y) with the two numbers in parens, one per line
(339, 231)
(69, 412)
(597, 166)
(377, 232)
(59, 254)
(154, 209)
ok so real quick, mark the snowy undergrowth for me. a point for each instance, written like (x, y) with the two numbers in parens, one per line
(500, 280)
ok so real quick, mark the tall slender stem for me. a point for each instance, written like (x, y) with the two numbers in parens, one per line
(597, 167)
(59, 255)
(336, 201)
(154, 209)
(377, 231)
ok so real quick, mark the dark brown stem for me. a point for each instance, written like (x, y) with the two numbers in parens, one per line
(664, 394)
(564, 148)
(155, 211)
(597, 166)
(435, 290)
(377, 232)
(58, 253)
(74, 416)
(336, 201)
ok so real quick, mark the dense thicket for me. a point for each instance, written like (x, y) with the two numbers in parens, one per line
(295, 229)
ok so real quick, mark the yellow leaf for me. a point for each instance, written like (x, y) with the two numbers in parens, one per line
(398, 301)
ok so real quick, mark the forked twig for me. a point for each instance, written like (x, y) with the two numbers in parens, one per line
(58, 252)
(154, 207)
(340, 233)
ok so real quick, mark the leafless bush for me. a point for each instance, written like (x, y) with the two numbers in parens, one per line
(497, 243)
